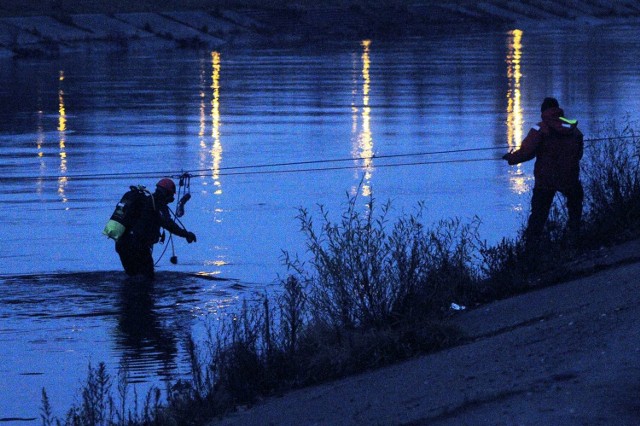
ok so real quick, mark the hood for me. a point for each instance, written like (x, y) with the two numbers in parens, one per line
(554, 119)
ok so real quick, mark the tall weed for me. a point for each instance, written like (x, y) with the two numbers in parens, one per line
(368, 273)
(611, 175)
(98, 407)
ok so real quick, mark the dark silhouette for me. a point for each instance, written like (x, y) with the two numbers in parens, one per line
(557, 145)
(141, 331)
(135, 246)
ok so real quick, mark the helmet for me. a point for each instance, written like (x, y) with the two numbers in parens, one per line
(168, 185)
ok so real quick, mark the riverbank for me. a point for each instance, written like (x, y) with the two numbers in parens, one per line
(34, 28)
(565, 354)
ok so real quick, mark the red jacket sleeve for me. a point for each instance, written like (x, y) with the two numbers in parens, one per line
(527, 150)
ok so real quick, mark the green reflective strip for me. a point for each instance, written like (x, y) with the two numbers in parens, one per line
(566, 120)
(113, 229)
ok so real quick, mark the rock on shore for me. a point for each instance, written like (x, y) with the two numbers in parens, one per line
(48, 31)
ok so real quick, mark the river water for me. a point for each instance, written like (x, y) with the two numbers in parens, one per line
(263, 132)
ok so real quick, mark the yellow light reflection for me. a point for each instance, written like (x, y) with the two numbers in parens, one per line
(211, 151)
(62, 128)
(514, 105)
(514, 108)
(218, 262)
(216, 150)
(363, 139)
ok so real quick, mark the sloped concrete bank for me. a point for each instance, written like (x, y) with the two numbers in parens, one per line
(561, 355)
(57, 30)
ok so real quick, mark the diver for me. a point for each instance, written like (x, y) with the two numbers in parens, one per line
(135, 245)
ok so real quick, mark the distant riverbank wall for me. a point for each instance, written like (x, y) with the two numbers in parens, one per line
(61, 31)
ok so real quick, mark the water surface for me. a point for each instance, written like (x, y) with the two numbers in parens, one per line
(418, 120)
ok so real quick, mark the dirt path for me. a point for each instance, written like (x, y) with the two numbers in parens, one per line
(563, 355)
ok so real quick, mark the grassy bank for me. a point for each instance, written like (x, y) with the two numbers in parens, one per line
(375, 291)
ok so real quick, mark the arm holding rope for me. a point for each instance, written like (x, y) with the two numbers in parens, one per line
(167, 223)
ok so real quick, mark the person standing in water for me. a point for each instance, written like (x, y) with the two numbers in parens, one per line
(135, 246)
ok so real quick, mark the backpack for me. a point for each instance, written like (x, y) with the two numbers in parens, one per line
(126, 213)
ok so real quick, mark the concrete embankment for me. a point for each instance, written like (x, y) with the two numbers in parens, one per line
(60, 27)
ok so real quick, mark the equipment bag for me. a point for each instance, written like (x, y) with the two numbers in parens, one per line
(126, 213)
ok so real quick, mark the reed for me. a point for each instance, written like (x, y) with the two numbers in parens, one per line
(611, 175)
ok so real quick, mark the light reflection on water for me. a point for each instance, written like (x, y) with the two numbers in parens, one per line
(216, 149)
(363, 150)
(519, 181)
(209, 112)
(62, 128)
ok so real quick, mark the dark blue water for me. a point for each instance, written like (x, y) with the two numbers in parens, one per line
(77, 131)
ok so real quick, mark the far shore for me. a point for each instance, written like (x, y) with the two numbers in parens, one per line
(38, 28)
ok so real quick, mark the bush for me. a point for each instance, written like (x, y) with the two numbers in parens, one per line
(611, 175)
(97, 406)
(368, 274)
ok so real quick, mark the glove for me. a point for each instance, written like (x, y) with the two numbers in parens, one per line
(191, 237)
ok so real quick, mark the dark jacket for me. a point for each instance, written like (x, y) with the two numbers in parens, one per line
(153, 216)
(557, 145)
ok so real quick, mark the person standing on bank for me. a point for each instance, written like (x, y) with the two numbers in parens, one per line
(557, 145)
(135, 246)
